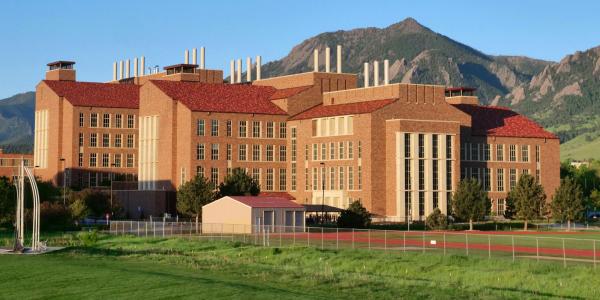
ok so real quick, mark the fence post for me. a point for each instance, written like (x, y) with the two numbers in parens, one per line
(163, 228)
(467, 243)
(337, 238)
(404, 241)
(564, 254)
(594, 249)
(513, 247)
(423, 238)
(279, 236)
(537, 248)
(369, 239)
(308, 236)
(322, 239)
(352, 238)
(444, 243)
(146, 228)
(294, 233)
(489, 246)
(385, 240)
(153, 229)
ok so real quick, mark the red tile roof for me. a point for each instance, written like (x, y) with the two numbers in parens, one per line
(97, 94)
(267, 202)
(342, 109)
(226, 98)
(289, 92)
(501, 121)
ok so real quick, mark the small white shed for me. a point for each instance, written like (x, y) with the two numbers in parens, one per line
(249, 214)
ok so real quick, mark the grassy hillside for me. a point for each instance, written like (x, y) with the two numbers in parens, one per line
(583, 147)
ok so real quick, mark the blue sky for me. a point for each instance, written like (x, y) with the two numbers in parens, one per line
(96, 33)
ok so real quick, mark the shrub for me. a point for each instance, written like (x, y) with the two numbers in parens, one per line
(437, 220)
(89, 238)
(356, 216)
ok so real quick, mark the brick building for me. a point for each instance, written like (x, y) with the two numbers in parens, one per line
(10, 162)
(400, 149)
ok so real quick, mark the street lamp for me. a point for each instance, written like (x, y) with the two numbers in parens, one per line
(64, 181)
(323, 196)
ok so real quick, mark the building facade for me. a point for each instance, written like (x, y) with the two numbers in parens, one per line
(400, 149)
(10, 162)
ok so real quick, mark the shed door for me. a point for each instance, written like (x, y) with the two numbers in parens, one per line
(289, 218)
(269, 217)
(299, 219)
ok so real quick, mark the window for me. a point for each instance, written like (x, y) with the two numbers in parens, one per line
(350, 178)
(501, 206)
(306, 180)
(118, 121)
(105, 140)
(500, 180)
(513, 178)
(200, 171)
(269, 185)
(537, 176)
(117, 160)
(118, 140)
(93, 159)
(81, 139)
(486, 179)
(331, 150)
(106, 120)
(421, 203)
(294, 147)
(130, 121)
(282, 153)
(200, 152)
(448, 147)
(228, 127)
(359, 149)
(256, 152)
(214, 176)
(93, 140)
(332, 178)
(315, 179)
(105, 160)
(282, 130)
(464, 152)
(242, 129)
(200, 128)
(486, 152)
(350, 150)
(341, 150)
(537, 153)
(448, 175)
(242, 150)
(435, 174)
(229, 170)
(214, 151)
(525, 153)
(421, 146)
(80, 161)
(270, 129)
(323, 151)
(214, 127)
(513, 153)
(130, 141)
(407, 145)
(93, 120)
(525, 172)
(341, 181)
(81, 120)
(407, 175)
(306, 152)
(256, 129)
(475, 174)
(293, 187)
(130, 160)
(434, 143)
(360, 177)
(229, 151)
(436, 200)
(421, 174)
(270, 152)
(475, 152)
(282, 179)
(499, 152)
(315, 152)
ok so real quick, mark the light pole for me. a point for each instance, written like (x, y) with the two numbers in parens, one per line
(64, 181)
(111, 187)
(323, 196)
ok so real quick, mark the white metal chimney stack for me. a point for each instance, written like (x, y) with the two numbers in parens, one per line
(339, 59)
(258, 59)
(194, 56)
(128, 68)
(121, 69)
(386, 72)
(135, 67)
(376, 73)
(115, 71)
(232, 71)
(248, 69)
(316, 60)
(186, 57)
(142, 66)
(327, 60)
(239, 70)
(202, 61)
(366, 74)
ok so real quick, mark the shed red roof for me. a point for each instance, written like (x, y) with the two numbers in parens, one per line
(226, 98)
(342, 109)
(267, 202)
(289, 92)
(277, 194)
(501, 121)
(97, 94)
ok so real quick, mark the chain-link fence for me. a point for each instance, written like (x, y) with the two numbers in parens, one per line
(491, 245)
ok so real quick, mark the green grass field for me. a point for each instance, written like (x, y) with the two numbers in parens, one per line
(129, 267)
(581, 148)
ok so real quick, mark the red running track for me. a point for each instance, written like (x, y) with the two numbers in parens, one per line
(362, 237)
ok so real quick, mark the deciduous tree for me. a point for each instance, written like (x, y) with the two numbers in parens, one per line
(194, 194)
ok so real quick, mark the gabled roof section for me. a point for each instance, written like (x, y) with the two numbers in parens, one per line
(354, 108)
(289, 92)
(277, 194)
(97, 94)
(224, 98)
(503, 122)
(266, 202)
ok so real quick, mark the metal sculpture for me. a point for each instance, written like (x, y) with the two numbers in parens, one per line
(20, 215)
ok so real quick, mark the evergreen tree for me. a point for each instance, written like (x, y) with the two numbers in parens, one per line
(356, 216)
(470, 202)
(529, 199)
(567, 203)
(194, 194)
(238, 183)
